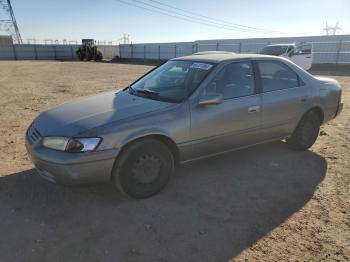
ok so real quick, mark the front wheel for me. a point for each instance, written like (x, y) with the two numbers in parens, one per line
(98, 57)
(306, 133)
(143, 169)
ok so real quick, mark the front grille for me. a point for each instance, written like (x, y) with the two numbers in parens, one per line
(33, 134)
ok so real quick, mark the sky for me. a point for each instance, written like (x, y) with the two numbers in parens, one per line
(109, 19)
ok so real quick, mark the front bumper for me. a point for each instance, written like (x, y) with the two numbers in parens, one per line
(72, 168)
(339, 109)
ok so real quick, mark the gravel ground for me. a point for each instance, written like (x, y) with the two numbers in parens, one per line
(266, 203)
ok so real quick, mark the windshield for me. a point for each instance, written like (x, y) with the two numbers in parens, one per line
(274, 50)
(173, 81)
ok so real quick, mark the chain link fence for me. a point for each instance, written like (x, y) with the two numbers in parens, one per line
(35, 41)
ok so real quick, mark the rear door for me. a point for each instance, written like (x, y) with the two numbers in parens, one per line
(235, 121)
(284, 98)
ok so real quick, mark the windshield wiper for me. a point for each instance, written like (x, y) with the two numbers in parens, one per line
(146, 92)
(151, 94)
(129, 88)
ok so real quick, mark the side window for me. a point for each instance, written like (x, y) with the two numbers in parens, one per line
(235, 80)
(276, 76)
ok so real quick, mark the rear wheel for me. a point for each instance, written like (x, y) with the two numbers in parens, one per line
(306, 133)
(87, 56)
(143, 169)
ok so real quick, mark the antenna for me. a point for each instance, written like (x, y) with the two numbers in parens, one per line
(331, 30)
(8, 21)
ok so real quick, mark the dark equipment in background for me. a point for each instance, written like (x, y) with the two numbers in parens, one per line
(88, 51)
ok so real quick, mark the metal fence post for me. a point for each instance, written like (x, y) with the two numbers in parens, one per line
(144, 52)
(338, 51)
(72, 52)
(175, 51)
(158, 52)
(14, 52)
(217, 46)
(54, 50)
(35, 52)
(240, 47)
(132, 51)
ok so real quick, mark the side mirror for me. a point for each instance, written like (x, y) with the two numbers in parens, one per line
(210, 99)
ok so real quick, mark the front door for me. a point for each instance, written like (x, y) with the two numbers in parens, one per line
(235, 121)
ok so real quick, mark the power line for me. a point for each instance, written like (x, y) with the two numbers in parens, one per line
(215, 19)
(170, 15)
(192, 20)
(202, 20)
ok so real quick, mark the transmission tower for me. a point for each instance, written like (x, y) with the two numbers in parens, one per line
(8, 22)
(125, 39)
(331, 30)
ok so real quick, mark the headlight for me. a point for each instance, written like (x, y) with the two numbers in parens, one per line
(83, 144)
(57, 143)
(74, 145)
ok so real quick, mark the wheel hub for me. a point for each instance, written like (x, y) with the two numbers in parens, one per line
(146, 168)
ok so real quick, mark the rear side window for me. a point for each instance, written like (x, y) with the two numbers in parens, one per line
(276, 76)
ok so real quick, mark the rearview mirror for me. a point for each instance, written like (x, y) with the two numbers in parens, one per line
(210, 99)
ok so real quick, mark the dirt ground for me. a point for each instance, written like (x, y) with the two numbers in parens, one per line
(267, 203)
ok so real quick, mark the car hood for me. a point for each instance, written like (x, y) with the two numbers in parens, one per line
(77, 116)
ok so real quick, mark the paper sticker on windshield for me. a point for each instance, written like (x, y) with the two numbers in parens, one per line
(202, 66)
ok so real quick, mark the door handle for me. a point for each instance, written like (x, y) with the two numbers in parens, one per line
(253, 109)
(304, 99)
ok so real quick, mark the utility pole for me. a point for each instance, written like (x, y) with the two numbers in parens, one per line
(8, 22)
(331, 30)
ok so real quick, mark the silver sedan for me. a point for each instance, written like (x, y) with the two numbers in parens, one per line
(188, 108)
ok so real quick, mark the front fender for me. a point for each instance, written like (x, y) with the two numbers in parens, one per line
(143, 133)
(173, 123)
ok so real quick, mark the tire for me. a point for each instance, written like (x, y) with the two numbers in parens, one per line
(143, 169)
(306, 133)
(80, 56)
(98, 57)
(88, 56)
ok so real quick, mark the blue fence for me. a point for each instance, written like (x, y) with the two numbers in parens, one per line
(326, 49)
(49, 52)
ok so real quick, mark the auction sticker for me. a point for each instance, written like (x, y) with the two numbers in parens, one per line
(202, 66)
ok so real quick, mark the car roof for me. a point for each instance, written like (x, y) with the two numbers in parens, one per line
(281, 45)
(221, 57)
(212, 52)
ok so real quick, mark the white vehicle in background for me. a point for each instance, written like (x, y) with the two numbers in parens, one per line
(300, 55)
